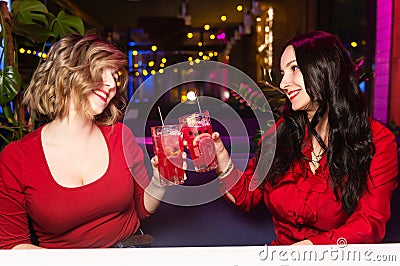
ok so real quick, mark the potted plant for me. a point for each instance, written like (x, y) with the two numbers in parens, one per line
(29, 25)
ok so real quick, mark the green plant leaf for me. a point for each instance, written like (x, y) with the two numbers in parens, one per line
(30, 12)
(10, 84)
(33, 32)
(65, 24)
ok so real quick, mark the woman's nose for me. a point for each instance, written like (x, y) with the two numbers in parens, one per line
(109, 85)
(284, 83)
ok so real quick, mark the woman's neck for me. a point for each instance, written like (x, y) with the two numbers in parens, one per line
(322, 127)
(72, 128)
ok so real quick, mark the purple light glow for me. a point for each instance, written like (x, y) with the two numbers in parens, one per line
(384, 15)
(221, 36)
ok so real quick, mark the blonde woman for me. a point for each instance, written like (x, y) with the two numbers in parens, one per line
(70, 178)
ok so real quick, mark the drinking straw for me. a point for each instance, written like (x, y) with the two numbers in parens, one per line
(159, 111)
(198, 104)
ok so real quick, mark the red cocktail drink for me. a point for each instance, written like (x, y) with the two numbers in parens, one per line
(197, 130)
(168, 146)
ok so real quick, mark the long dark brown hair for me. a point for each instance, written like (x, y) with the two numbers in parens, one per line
(331, 81)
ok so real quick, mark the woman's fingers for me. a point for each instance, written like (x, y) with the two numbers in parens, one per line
(185, 143)
(219, 145)
(215, 135)
(154, 161)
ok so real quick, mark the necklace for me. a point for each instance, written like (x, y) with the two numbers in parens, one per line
(316, 158)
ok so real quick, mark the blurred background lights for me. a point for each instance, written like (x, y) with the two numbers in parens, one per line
(191, 95)
(221, 36)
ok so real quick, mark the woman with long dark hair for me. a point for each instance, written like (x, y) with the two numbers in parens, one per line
(335, 168)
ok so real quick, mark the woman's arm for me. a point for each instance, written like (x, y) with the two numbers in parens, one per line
(235, 184)
(148, 193)
(154, 192)
(14, 229)
(225, 164)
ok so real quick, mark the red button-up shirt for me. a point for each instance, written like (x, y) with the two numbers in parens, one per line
(303, 204)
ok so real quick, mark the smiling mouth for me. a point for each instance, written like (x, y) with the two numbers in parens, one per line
(293, 94)
(101, 94)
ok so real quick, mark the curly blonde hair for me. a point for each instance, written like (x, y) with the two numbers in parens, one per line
(74, 68)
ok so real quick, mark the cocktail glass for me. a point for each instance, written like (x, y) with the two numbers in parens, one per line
(168, 146)
(197, 130)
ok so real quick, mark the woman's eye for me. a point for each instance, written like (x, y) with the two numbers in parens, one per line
(295, 67)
